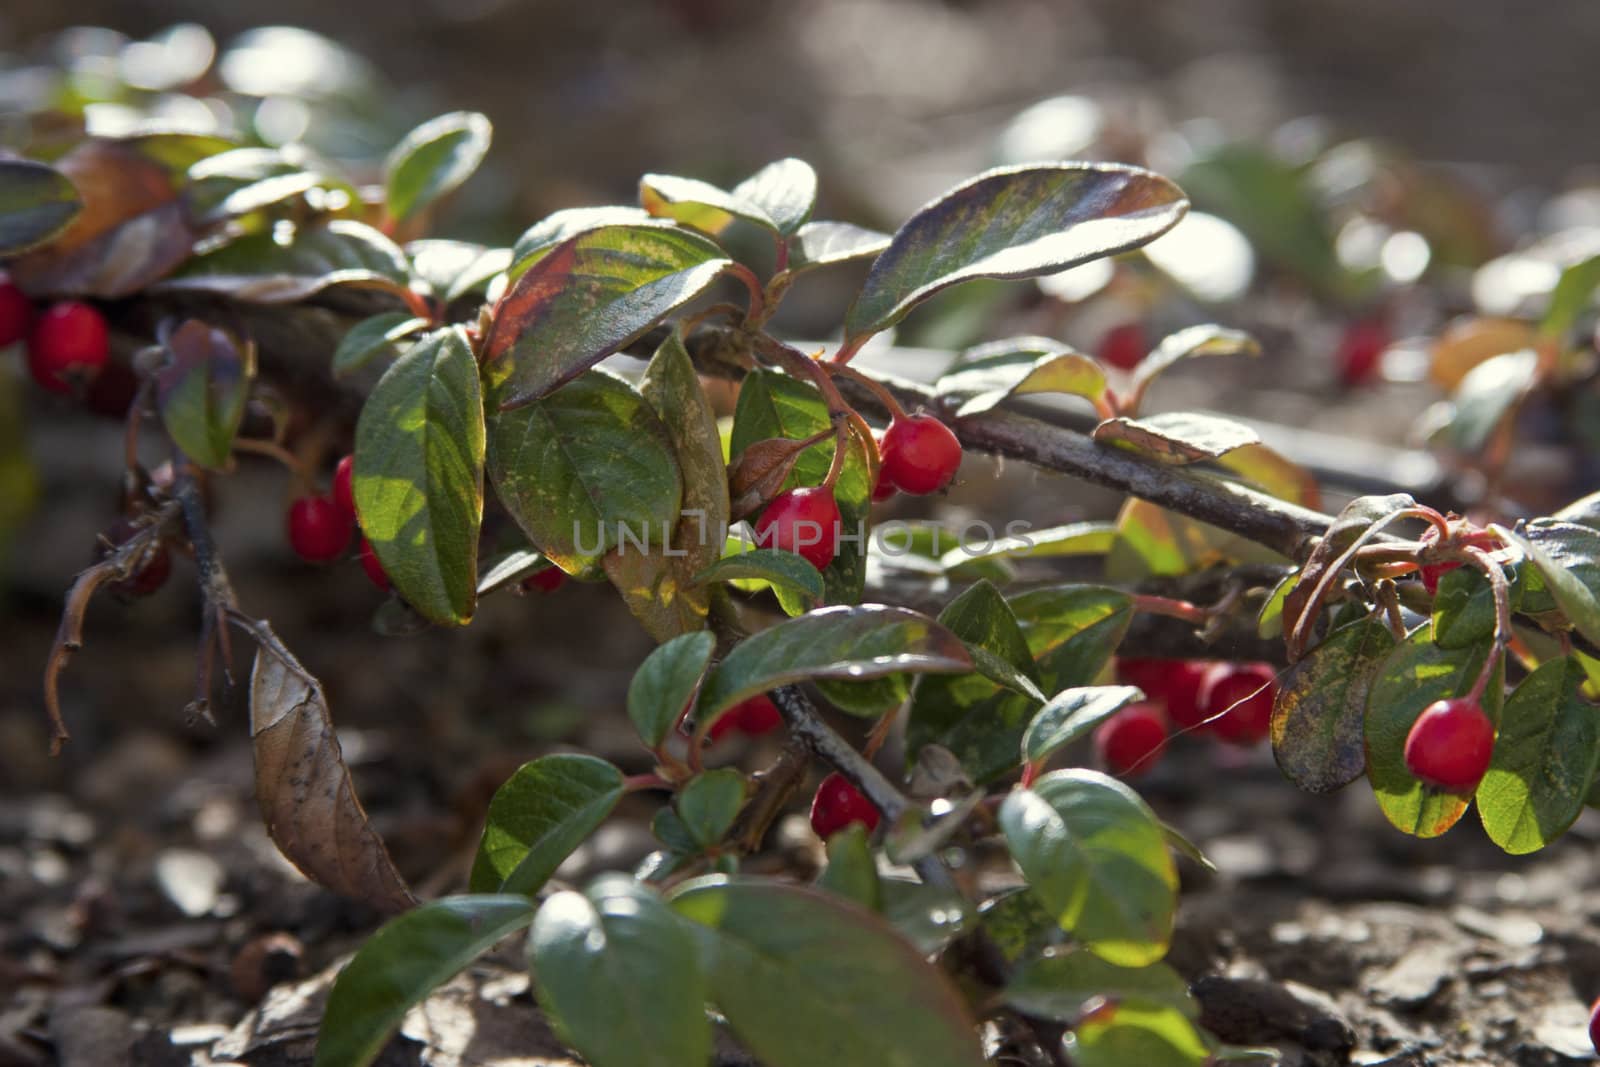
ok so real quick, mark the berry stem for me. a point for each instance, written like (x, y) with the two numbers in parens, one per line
(871, 385)
(756, 314)
(841, 448)
(1177, 609)
(880, 733)
(272, 450)
(636, 783)
(1502, 616)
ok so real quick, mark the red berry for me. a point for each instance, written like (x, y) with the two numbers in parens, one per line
(920, 455)
(343, 493)
(1123, 346)
(16, 312)
(112, 391)
(883, 488)
(1432, 572)
(1242, 695)
(546, 581)
(1594, 1025)
(1132, 740)
(758, 715)
(319, 530)
(374, 569)
(837, 805)
(1173, 682)
(726, 723)
(1450, 744)
(68, 346)
(1360, 349)
(804, 521)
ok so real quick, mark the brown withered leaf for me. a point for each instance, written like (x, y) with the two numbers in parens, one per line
(304, 788)
(131, 231)
(757, 474)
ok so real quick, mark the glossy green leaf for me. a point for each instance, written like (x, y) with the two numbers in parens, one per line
(588, 297)
(36, 203)
(1096, 857)
(452, 269)
(665, 683)
(698, 204)
(1014, 222)
(1177, 437)
(818, 244)
(1463, 607)
(1020, 926)
(552, 230)
(271, 268)
(1192, 343)
(1566, 559)
(1274, 473)
(1571, 297)
(242, 181)
(402, 963)
(1487, 395)
(983, 620)
(1153, 542)
(709, 802)
(771, 565)
(869, 699)
(372, 337)
(784, 191)
(1072, 630)
(539, 816)
(1147, 1034)
(1060, 986)
(1544, 762)
(1269, 623)
(805, 978)
(983, 384)
(851, 872)
(202, 388)
(776, 405)
(1073, 539)
(867, 641)
(1414, 675)
(1585, 511)
(418, 475)
(586, 469)
(1071, 715)
(1318, 719)
(617, 971)
(434, 159)
(928, 916)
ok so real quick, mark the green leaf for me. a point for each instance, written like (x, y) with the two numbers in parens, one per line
(805, 978)
(665, 683)
(1585, 511)
(698, 204)
(584, 469)
(1463, 608)
(1417, 673)
(1192, 343)
(588, 297)
(928, 916)
(851, 872)
(1013, 222)
(1072, 630)
(771, 565)
(1269, 624)
(617, 970)
(1566, 558)
(402, 963)
(776, 405)
(37, 202)
(242, 181)
(372, 337)
(869, 699)
(1147, 1034)
(1096, 857)
(867, 641)
(784, 191)
(818, 244)
(1073, 714)
(270, 268)
(539, 816)
(1487, 395)
(1317, 721)
(1073, 539)
(709, 803)
(1020, 926)
(1544, 759)
(418, 476)
(552, 230)
(984, 621)
(452, 269)
(202, 390)
(1061, 986)
(434, 159)
(1177, 437)
(1571, 296)
(988, 381)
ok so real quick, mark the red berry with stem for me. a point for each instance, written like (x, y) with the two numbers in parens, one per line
(344, 493)
(16, 312)
(319, 530)
(68, 346)
(1360, 351)
(1132, 740)
(546, 581)
(1450, 744)
(758, 715)
(804, 521)
(1242, 695)
(1173, 682)
(1123, 346)
(369, 563)
(837, 805)
(920, 455)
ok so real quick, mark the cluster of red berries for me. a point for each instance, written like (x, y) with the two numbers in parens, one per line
(321, 525)
(68, 344)
(919, 455)
(753, 717)
(1230, 701)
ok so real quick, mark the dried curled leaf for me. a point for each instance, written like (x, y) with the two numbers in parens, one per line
(304, 788)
